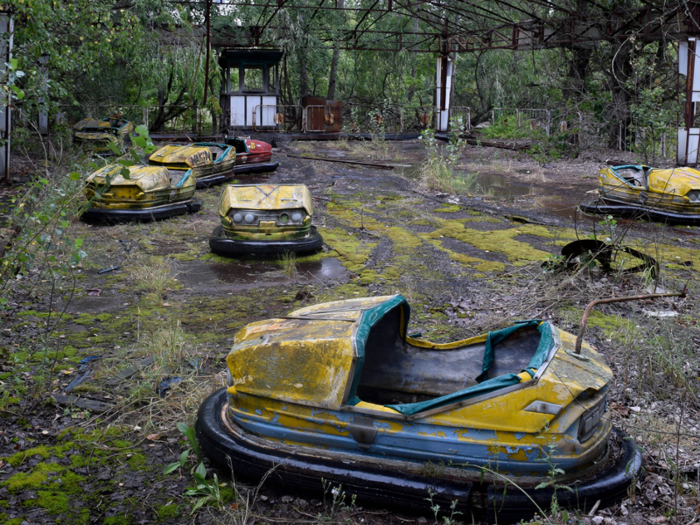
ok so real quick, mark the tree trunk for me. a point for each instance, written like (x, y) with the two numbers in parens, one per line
(413, 70)
(620, 71)
(333, 73)
(286, 84)
(167, 113)
(213, 113)
(334, 63)
(303, 74)
(580, 58)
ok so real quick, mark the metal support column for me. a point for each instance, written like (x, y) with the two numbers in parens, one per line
(444, 88)
(43, 112)
(7, 32)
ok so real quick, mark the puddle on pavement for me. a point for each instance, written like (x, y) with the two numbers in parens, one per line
(254, 273)
(560, 201)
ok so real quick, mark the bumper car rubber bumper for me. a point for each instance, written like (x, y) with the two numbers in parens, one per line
(638, 211)
(142, 214)
(237, 170)
(256, 168)
(222, 245)
(494, 503)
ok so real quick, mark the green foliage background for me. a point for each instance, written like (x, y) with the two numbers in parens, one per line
(102, 54)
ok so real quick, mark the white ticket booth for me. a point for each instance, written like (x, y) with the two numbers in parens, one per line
(250, 88)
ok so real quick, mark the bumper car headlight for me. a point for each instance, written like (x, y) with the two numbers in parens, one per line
(237, 217)
(588, 423)
(291, 217)
(693, 196)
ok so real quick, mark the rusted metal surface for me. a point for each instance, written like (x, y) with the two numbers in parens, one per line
(322, 115)
(587, 311)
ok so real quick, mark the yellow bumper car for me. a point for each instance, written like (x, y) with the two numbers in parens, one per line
(265, 219)
(150, 193)
(340, 392)
(212, 163)
(97, 135)
(643, 192)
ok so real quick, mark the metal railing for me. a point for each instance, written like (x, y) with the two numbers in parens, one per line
(417, 118)
(531, 117)
(463, 113)
(631, 137)
(584, 129)
(194, 120)
(280, 118)
(360, 118)
(316, 114)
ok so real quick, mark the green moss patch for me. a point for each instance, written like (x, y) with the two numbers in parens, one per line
(447, 208)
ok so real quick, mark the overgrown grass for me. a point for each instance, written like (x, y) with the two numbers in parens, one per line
(438, 175)
(152, 274)
(169, 347)
(288, 260)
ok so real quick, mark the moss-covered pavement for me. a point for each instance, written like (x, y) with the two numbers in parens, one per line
(466, 263)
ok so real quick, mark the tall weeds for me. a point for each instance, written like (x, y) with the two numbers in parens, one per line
(437, 170)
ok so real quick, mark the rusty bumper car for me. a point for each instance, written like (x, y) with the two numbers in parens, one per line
(643, 192)
(212, 163)
(97, 135)
(265, 219)
(340, 392)
(150, 193)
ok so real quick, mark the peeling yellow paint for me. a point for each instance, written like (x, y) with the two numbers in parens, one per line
(659, 188)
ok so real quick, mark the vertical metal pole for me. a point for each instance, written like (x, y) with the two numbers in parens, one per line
(441, 95)
(43, 115)
(689, 113)
(207, 16)
(6, 26)
(663, 144)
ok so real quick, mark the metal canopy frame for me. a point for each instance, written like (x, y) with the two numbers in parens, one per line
(457, 26)
(468, 26)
